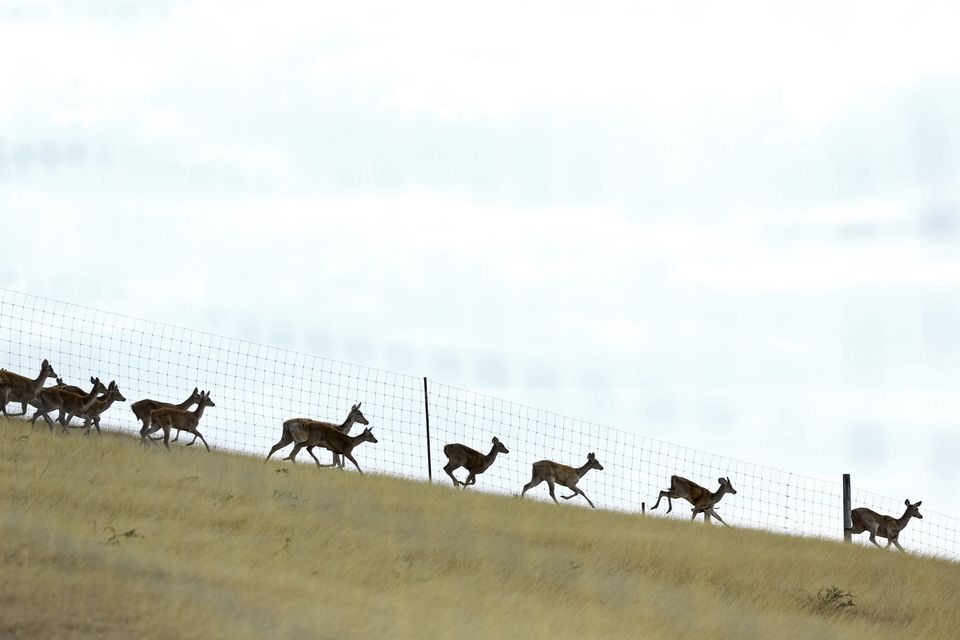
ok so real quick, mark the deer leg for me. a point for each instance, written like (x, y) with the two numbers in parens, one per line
(349, 457)
(663, 494)
(176, 437)
(579, 491)
(449, 468)
(711, 512)
(873, 537)
(534, 482)
(312, 455)
(285, 439)
(551, 487)
(197, 434)
(166, 437)
(897, 543)
(293, 454)
(471, 479)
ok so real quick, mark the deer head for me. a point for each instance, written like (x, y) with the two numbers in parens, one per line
(205, 399)
(593, 463)
(114, 391)
(726, 486)
(357, 416)
(498, 446)
(367, 436)
(912, 509)
(46, 370)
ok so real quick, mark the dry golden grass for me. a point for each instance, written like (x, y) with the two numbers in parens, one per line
(103, 538)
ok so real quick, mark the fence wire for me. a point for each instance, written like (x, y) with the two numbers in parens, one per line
(256, 387)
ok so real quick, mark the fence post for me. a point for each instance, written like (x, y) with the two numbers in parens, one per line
(847, 522)
(426, 414)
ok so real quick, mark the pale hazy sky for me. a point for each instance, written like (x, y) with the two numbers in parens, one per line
(733, 226)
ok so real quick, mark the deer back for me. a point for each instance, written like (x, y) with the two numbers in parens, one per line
(560, 473)
(470, 459)
(328, 436)
(175, 418)
(691, 491)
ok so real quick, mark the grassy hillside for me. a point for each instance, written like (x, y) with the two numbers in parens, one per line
(101, 537)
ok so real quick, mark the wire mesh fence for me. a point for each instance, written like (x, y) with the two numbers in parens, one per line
(256, 387)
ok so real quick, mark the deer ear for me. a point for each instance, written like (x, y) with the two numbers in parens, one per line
(590, 456)
(494, 441)
(918, 503)
(907, 502)
(196, 389)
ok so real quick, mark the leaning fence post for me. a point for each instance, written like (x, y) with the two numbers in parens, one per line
(426, 415)
(847, 522)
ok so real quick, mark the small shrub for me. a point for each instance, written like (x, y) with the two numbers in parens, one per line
(115, 538)
(829, 600)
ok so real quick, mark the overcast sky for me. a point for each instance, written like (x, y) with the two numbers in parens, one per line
(733, 226)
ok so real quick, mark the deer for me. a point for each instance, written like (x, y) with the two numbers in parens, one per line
(702, 500)
(296, 430)
(459, 455)
(563, 475)
(168, 418)
(62, 386)
(333, 439)
(142, 409)
(69, 404)
(17, 388)
(100, 405)
(888, 527)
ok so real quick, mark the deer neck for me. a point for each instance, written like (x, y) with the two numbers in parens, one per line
(38, 382)
(106, 402)
(490, 457)
(186, 403)
(903, 520)
(716, 495)
(90, 398)
(198, 412)
(583, 470)
(347, 424)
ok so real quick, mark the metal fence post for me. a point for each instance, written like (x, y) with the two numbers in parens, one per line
(426, 414)
(847, 522)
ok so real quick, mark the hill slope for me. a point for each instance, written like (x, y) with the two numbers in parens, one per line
(101, 537)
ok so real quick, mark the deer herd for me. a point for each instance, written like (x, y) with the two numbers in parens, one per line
(73, 402)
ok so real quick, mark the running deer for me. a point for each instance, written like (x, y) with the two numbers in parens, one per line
(563, 475)
(17, 388)
(702, 500)
(168, 418)
(296, 430)
(143, 408)
(100, 405)
(69, 404)
(62, 386)
(473, 461)
(888, 527)
(332, 439)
